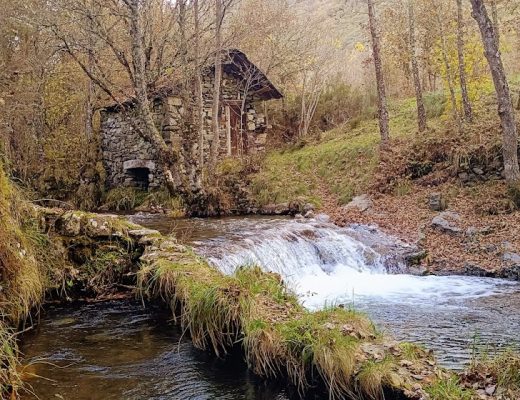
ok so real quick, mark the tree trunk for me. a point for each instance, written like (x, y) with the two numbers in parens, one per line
(421, 112)
(168, 158)
(494, 16)
(505, 105)
(198, 86)
(89, 103)
(466, 104)
(215, 145)
(380, 81)
(447, 65)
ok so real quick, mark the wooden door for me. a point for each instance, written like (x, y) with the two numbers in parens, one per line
(237, 131)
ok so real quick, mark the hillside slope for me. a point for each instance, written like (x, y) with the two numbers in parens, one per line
(464, 169)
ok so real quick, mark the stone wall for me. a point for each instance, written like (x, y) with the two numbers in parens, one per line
(126, 155)
(123, 151)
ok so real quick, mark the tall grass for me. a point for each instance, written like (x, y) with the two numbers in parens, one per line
(22, 281)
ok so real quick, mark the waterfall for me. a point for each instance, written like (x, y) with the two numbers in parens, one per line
(296, 248)
(326, 264)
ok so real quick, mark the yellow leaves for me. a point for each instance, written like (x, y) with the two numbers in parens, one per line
(359, 47)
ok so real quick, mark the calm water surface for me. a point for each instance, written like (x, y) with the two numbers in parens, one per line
(119, 350)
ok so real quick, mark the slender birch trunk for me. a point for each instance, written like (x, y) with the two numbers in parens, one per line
(380, 81)
(215, 145)
(447, 66)
(421, 112)
(466, 103)
(168, 157)
(198, 85)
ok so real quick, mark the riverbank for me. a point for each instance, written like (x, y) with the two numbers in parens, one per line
(461, 237)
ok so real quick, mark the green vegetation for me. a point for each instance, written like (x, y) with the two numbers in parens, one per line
(343, 161)
(128, 199)
(34, 262)
(10, 379)
(449, 389)
(501, 370)
(124, 199)
(22, 281)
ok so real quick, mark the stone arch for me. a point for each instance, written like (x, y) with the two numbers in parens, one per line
(138, 173)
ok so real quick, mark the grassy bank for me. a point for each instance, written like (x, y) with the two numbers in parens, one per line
(346, 161)
(337, 350)
(22, 281)
(336, 347)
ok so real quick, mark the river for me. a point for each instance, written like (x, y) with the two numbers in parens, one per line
(124, 351)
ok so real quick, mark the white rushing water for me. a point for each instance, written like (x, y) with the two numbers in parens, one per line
(325, 264)
(359, 265)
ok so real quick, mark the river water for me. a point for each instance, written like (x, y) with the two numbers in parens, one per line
(361, 267)
(123, 351)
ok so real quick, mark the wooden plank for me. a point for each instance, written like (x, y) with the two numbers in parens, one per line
(228, 130)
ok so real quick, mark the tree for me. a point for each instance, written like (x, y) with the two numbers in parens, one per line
(198, 83)
(466, 104)
(505, 105)
(126, 34)
(380, 80)
(447, 64)
(215, 145)
(421, 112)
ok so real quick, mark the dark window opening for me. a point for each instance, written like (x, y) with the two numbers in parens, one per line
(139, 177)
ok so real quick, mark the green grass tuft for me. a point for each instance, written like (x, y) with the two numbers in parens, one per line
(449, 389)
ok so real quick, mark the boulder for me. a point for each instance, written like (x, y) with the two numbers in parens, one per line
(512, 272)
(275, 209)
(511, 257)
(309, 214)
(307, 207)
(447, 222)
(476, 270)
(360, 203)
(70, 224)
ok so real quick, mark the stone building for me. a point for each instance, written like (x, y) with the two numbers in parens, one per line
(131, 161)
